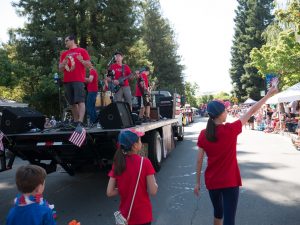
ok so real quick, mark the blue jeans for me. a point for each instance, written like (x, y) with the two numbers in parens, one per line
(90, 106)
(225, 202)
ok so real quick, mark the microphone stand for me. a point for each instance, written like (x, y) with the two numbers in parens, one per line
(110, 84)
(110, 87)
(111, 61)
(57, 81)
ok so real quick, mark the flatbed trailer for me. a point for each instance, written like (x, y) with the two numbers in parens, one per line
(51, 147)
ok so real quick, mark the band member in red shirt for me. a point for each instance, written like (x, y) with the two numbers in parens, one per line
(92, 88)
(120, 71)
(222, 175)
(142, 92)
(73, 63)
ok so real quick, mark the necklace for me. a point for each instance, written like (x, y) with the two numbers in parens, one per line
(72, 64)
(23, 200)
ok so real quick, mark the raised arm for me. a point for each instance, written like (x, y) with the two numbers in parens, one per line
(244, 118)
(89, 79)
(85, 63)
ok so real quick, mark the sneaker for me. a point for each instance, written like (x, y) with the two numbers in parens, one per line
(92, 125)
(146, 120)
(79, 127)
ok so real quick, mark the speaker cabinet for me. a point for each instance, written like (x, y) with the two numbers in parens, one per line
(18, 119)
(116, 115)
(154, 113)
(166, 107)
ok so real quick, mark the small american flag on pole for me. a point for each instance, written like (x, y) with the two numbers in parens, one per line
(1, 143)
(78, 137)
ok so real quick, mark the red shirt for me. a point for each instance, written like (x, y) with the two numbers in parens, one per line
(142, 209)
(93, 86)
(143, 76)
(222, 168)
(118, 72)
(74, 70)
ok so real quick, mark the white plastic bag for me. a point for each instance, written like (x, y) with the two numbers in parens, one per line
(120, 220)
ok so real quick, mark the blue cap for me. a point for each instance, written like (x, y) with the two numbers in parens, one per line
(128, 137)
(215, 108)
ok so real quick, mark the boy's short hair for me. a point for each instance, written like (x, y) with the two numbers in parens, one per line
(71, 37)
(29, 178)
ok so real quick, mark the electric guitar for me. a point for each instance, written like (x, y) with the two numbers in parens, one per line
(116, 88)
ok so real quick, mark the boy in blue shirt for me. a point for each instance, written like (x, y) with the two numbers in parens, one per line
(30, 207)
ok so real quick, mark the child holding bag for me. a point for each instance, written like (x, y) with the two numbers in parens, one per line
(132, 177)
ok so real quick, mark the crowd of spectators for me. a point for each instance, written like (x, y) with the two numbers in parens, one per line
(274, 118)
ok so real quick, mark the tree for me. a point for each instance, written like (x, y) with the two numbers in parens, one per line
(280, 55)
(238, 50)
(100, 26)
(222, 96)
(190, 93)
(159, 37)
(251, 20)
(206, 98)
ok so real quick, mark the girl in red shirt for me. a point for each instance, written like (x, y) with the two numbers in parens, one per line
(222, 175)
(123, 178)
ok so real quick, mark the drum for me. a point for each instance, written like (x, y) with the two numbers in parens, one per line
(98, 100)
(106, 98)
(103, 100)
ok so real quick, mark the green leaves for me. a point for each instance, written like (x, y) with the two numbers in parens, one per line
(160, 39)
(252, 17)
(135, 27)
(281, 53)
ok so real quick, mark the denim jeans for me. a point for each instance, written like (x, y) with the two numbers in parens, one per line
(90, 106)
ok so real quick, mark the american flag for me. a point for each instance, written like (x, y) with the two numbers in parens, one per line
(78, 137)
(1, 143)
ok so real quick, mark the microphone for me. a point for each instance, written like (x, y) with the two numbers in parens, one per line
(57, 79)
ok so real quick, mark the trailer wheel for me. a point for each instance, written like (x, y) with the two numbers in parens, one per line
(155, 152)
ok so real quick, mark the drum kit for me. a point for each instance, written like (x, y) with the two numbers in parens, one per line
(103, 98)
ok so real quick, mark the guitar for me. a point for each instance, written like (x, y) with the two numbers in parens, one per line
(116, 88)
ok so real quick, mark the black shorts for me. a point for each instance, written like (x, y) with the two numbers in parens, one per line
(143, 101)
(74, 92)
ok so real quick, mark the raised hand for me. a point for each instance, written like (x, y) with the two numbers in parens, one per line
(116, 82)
(273, 90)
(80, 58)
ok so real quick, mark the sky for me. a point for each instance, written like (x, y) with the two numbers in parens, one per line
(204, 31)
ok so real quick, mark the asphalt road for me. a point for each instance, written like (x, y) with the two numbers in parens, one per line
(270, 167)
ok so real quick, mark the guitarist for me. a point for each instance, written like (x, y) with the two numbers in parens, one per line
(121, 70)
(142, 92)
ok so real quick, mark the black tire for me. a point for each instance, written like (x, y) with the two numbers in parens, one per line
(155, 150)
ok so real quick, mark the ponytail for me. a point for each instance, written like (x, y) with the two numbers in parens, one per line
(211, 130)
(119, 161)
